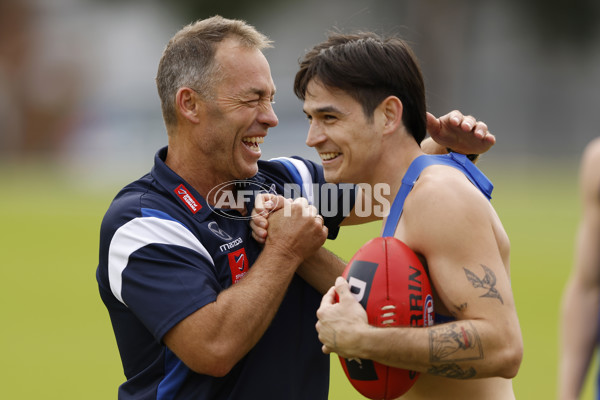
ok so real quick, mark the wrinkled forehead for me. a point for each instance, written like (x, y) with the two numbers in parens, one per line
(245, 67)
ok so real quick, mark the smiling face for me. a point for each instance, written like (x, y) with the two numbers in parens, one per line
(347, 141)
(235, 121)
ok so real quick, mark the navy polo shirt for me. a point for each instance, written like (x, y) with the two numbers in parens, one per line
(164, 253)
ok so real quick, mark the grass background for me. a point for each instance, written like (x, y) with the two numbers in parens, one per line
(58, 343)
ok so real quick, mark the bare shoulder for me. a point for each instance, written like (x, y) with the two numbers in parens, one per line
(592, 150)
(589, 176)
(590, 161)
(444, 198)
(442, 189)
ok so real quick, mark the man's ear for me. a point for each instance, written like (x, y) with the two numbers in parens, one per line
(188, 104)
(391, 109)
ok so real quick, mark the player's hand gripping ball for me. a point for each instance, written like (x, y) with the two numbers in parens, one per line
(388, 280)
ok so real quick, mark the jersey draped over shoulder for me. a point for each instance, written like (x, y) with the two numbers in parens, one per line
(165, 253)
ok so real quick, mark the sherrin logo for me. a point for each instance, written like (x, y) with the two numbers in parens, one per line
(189, 200)
(428, 315)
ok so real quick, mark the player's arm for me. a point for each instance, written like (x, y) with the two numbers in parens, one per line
(467, 253)
(469, 276)
(321, 269)
(215, 337)
(581, 301)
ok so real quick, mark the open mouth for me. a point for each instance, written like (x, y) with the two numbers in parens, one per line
(253, 143)
(329, 156)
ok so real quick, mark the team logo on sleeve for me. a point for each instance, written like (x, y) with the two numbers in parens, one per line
(238, 264)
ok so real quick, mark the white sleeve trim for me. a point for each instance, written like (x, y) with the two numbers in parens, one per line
(140, 232)
(307, 179)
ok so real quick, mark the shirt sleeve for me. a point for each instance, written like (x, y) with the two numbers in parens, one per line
(160, 271)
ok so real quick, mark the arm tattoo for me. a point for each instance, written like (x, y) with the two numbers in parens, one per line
(452, 371)
(454, 342)
(487, 282)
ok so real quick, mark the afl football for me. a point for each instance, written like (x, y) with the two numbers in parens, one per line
(389, 281)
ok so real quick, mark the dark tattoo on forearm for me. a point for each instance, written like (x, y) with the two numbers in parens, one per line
(454, 342)
(487, 282)
(452, 371)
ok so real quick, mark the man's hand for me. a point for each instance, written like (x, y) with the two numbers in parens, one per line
(264, 204)
(338, 320)
(297, 229)
(463, 134)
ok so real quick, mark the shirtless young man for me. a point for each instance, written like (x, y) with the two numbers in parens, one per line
(364, 97)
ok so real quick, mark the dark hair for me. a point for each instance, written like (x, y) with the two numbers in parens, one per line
(368, 68)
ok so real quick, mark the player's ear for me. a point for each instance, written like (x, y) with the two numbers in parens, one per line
(187, 103)
(391, 108)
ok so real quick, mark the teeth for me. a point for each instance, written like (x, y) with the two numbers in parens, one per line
(328, 156)
(254, 140)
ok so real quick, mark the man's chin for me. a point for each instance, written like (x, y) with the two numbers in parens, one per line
(249, 171)
(331, 177)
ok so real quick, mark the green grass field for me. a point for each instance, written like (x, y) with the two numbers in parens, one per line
(57, 336)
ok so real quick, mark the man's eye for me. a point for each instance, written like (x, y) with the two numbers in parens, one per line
(260, 102)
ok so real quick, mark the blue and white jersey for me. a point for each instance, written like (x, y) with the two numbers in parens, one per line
(165, 253)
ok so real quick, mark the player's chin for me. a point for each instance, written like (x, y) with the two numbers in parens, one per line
(331, 175)
(248, 169)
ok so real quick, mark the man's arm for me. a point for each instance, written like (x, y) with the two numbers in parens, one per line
(215, 337)
(467, 270)
(581, 301)
(321, 269)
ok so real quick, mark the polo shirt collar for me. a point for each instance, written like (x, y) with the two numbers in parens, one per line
(187, 197)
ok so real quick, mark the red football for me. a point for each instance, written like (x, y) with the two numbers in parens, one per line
(389, 281)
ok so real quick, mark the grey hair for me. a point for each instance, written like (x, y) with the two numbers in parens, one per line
(189, 59)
